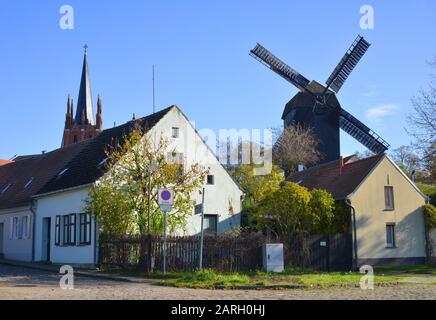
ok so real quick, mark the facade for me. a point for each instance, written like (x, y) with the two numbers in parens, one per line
(387, 206)
(20, 180)
(58, 228)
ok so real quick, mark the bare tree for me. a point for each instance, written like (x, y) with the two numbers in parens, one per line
(422, 120)
(295, 145)
(422, 123)
(407, 158)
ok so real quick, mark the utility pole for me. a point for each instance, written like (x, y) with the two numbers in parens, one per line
(202, 231)
(154, 101)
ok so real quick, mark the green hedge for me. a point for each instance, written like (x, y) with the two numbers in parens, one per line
(429, 190)
(430, 216)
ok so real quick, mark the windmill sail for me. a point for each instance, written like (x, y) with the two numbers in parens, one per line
(347, 64)
(278, 66)
(361, 132)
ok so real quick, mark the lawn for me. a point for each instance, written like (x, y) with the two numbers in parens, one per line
(415, 269)
(209, 279)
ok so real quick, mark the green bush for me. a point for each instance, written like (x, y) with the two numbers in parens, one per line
(429, 190)
(430, 216)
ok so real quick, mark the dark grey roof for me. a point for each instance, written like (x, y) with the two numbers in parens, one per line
(84, 103)
(27, 176)
(84, 168)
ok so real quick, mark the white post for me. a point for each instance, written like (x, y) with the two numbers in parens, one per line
(202, 231)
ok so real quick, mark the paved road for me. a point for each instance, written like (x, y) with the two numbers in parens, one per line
(23, 283)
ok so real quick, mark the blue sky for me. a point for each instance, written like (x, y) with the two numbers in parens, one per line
(200, 50)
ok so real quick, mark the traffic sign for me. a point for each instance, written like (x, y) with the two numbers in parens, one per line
(166, 197)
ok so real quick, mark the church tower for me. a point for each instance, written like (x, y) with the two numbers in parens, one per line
(82, 126)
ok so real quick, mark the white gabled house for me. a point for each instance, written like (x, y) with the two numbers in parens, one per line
(64, 233)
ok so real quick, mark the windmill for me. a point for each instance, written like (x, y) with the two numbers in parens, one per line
(316, 105)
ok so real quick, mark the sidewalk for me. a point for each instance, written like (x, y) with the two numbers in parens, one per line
(54, 268)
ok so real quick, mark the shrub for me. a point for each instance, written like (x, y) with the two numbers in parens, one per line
(430, 216)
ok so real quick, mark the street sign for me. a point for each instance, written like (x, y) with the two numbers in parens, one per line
(165, 201)
(166, 197)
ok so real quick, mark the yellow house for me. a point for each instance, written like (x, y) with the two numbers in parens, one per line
(387, 222)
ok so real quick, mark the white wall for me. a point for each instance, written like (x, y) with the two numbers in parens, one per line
(63, 203)
(16, 249)
(224, 197)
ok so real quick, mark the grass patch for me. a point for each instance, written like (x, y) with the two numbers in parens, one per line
(418, 269)
(209, 279)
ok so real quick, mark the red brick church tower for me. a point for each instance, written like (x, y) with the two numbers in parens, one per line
(82, 126)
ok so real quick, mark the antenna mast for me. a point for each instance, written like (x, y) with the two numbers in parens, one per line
(154, 104)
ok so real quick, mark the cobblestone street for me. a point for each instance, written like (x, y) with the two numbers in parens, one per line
(23, 283)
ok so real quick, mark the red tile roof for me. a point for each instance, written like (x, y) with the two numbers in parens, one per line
(81, 159)
(34, 172)
(327, 177)
(2, 162)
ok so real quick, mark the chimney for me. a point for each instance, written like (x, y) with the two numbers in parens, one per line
(341, 165)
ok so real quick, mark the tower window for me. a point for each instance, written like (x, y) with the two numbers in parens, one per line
(75, 138)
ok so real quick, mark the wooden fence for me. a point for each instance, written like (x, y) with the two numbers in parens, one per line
(223, 253)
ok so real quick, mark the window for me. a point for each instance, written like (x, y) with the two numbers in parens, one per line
(72, 229)
(62, 172)
(175, 157)
(210, 224)
(389, 198)
(15, 227)
(85, 228)
(58, 231)
(6, 188)
(210, 179)
(175, 132)
(69, 234)
(390, 235)
(24, 227)
(28, 183)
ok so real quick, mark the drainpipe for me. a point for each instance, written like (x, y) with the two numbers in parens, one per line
(348, 204)
(33, 228)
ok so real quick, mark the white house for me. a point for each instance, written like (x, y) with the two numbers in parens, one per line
(58, 229)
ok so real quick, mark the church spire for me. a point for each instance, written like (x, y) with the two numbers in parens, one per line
(84, 103)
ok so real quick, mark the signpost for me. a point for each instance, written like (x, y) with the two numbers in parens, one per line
(202, 231)
(165, 201)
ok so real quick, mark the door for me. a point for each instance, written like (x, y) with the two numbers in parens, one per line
(46, 239)
(1, 240)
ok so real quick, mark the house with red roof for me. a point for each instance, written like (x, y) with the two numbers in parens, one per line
(42, 197)
(387, 221)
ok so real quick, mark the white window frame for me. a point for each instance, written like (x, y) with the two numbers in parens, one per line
(15, 227)
(24, 227)
(175, 132)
